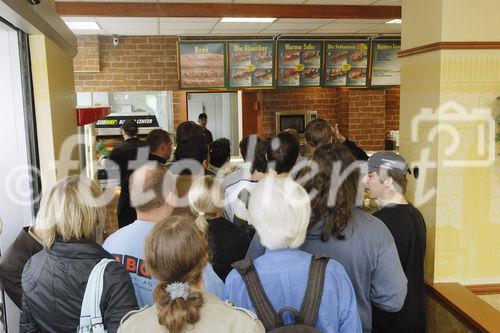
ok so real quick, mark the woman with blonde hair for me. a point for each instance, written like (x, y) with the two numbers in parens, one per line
(176, 253)
(70, 224)
(228, 243)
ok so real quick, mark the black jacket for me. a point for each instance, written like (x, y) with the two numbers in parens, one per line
(357, 152)
(13, 261)
(122, 155)
(228, 244)
(54, 283)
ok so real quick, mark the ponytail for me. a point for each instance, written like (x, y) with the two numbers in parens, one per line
(176, 254)
(174, 313)
(202, 223)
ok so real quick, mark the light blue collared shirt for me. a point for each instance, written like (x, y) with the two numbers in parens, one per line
(127, 246)
(284, 275)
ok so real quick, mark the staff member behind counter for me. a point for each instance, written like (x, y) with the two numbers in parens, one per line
(125, 155)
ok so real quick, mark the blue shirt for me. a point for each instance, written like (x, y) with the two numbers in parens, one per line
(284, 275)
(370, 258)
(127, 246)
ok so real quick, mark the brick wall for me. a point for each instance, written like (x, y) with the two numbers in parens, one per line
(323, 100)
(392, 109)
(360, 113)
(137, 63)
(141, 63)
(87, 59)
(366, 118)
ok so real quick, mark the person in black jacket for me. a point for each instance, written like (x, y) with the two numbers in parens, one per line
(160, 146)
(128, 157)
(202, 121)
(71, 221)
(12, 262)
(228, 242)
(319, 132)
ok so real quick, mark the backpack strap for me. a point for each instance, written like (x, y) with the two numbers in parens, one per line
(90, 314)
(260, 301)
(314, 290)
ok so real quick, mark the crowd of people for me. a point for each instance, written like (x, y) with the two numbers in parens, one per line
(204, 245)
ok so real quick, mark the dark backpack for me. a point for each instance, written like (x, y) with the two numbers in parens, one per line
(305, 319)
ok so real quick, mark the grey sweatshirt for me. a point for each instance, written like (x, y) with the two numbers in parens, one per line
(370, 258)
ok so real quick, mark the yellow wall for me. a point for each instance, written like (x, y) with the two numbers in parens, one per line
(467, 20)
(55, 101)
(431, 21)
(468, 220)
(463, 216)
(420, 88)
(427, 16)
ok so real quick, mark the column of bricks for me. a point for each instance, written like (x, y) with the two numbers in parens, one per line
(137, 63)
(392, 109)
(367, 118)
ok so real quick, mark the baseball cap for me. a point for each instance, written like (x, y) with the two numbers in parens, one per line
(388, 160)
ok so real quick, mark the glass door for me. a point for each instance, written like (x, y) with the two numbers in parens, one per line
(19, 183)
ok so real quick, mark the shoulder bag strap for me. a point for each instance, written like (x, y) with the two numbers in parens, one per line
(260, 301)
(314, 290)
(90, 315)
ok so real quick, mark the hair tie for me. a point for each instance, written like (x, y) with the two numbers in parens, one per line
(178, 290)
(201, 214)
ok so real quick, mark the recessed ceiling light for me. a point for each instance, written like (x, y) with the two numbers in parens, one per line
(83, 25)
(395, 21)
(249, 19)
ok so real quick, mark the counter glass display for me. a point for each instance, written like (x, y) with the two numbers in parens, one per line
(134, 103)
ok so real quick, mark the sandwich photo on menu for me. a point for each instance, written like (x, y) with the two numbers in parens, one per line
(310, 74)
(241, 77)
(291, 57)
(311, 57)
(357, 75)
(241, 58)
(335, 74)
(263, 76)
(202, 70)
(290, 76)
(263, 58)
(339, 57)
(359, 56)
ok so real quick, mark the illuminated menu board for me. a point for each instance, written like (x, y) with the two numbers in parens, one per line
(386, 68)
(346, 63)
(202, 64)
(251, 64)
(299, 63)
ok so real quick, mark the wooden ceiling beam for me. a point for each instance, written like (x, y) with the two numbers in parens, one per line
(122, 9)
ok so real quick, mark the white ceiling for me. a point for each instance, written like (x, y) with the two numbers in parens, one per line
(213, 26)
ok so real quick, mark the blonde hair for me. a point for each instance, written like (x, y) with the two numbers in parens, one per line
(177, 251)
(72, 209)
(206, 198)
(280, 210)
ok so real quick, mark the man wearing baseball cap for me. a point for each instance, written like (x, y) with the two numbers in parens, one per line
(122, 155)
(386, 182)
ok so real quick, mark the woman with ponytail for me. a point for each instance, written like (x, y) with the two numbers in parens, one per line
(176, 253)
(228, 243)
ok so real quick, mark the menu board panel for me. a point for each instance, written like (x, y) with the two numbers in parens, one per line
(202, 64)
(299, 63)
(386, 68)
(346, 63)
(251, 64)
